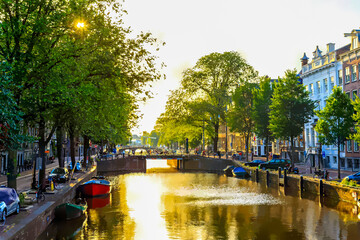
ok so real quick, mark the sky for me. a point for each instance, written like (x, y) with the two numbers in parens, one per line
(272, 35)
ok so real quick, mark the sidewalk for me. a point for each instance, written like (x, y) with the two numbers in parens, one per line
(304, 169)
(25, 179)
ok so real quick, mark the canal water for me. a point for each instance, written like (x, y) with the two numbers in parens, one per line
(191, 206)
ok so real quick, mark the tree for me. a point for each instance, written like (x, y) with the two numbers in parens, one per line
(336, 120)
(97, 71)
(209, 84)
(261, 111)
(241, 114)
(291, 108)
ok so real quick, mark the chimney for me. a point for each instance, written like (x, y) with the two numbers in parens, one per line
(304, 60)
(330, 47)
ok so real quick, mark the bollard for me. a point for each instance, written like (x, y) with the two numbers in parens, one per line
(267, 178)
(257, 175)
(321, 188)
(301, 183)
(279, 171)
(51, 185)
(285, 177)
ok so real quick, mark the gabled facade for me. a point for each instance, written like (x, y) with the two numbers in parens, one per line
(319, 77)
(350, 69)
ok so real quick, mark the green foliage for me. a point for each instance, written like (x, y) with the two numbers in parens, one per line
(261, 107)
(208, 87)
(350, 183)
(335, 120)
(291, 107)
(10, 115)
(241, 112)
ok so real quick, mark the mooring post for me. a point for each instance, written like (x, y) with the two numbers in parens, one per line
(321, 188)
(279, 171)
(257, 175)
(267, 178)
(285, 177)
(301, 183)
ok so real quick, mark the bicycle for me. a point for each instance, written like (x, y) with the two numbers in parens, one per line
(40, 196)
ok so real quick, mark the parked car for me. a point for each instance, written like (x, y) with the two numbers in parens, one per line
(254, 163)
(9, 202)
(275, 164)
(354, 177)
(59, 174)
(106, 156)
(2, 211)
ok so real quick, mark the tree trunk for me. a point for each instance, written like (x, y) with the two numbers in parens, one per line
(59, 141)
(86, 147)
(247, 147)
(292, 153)
(12, 169)
(42, 152)
(216, 137)
(72, 146)
(339, 160)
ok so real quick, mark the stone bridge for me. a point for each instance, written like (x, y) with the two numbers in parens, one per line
(134, 148)
(188, 163)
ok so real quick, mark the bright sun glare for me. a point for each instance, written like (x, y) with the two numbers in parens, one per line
(80, 25)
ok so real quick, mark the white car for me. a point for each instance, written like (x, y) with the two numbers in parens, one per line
(11, 200)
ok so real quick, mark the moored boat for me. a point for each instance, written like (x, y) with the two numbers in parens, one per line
(228, 170)
(239, 172)
(68, 211)
(96, 187)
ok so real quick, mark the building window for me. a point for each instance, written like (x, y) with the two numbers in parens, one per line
(312, 137)
(318, 106)
(318, 87)
(342, 162)
(356, 163)
(354, 43)
(356, 146)
(334, 160)
(347, 75)
(348, 145)
(325, 85)
(348, 94)
(340, 73)
(332, 82)
(311, 89)
(308, 137)
(342, 147)
(353, 73)
(354, 95)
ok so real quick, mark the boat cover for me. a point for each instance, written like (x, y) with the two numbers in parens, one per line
(98, 181)
(239, 169)
(8, 195)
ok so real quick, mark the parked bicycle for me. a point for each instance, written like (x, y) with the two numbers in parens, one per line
(40, 196)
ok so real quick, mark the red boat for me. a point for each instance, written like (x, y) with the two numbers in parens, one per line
(96, 187)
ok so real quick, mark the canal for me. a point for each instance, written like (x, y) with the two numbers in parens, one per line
(171, 205)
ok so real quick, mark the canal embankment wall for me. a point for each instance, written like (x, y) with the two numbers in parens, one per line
(37, 221)
(310, 187)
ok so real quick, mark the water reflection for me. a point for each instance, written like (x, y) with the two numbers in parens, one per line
(209, 206)
(98, 202)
